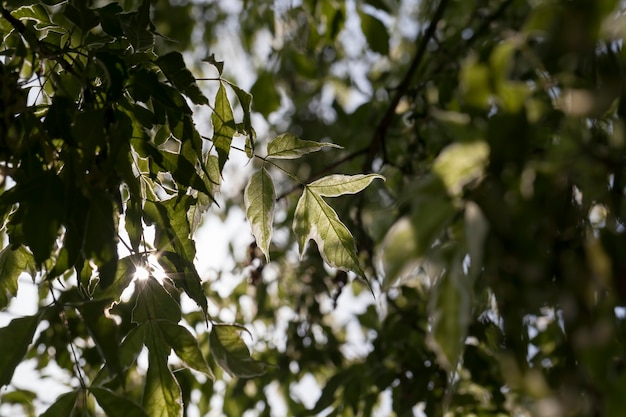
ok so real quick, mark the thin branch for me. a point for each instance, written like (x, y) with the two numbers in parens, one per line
(79, 371)
(377, 142)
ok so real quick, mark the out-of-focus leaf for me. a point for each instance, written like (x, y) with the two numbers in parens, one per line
(260, 199)
(399, 252)
(63, 406)
(173, 66)
(460, 163)
(450, 309)
(14, 341)
(375, 32)
(476, 228)
(13, 262)
(265, 97)
(115, 405)
(186, 346)
(224, 127)
(232, 354)
(288, 146)
(100, 242)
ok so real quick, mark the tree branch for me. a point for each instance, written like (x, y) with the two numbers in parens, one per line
(377, 142)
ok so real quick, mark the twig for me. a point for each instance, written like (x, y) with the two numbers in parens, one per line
(381, 130)
(79, 372)
(322, 172)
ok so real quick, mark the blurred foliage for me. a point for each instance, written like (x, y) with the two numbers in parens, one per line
(491, 273)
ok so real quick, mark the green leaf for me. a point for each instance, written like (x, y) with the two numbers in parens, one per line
(260, 199)
(461, 163)
(174, 232)
(100, 241)
(104, 332)
(63, 406)
(129, 350)
(115, 405)
(265, 97)
(375, 32)
(132, 222)
(450, 310)
(224, 127)
(476, 229)
(185, 345)
(337, 185)
(245, 99)
(124, 274)
(173, 66)
(14, 341)
(288, 146)
(13, 262)
(162, 396)
(154, 303)
(315, 219)
(231, 353)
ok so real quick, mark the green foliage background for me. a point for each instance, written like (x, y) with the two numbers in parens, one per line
(492, 255)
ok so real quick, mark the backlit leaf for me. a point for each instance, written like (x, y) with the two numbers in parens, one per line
(288, 146)
(161, 395)
(260, 199)
(224, 126)
(185, 345)
(13, 262)
(315, 219)
(232, 354)
(14, 341)
(103, 331)
(266, 98)
(154, 303)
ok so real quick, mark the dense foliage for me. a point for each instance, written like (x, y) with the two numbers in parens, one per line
(487, 271)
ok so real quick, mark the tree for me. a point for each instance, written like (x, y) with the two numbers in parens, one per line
(491, 257)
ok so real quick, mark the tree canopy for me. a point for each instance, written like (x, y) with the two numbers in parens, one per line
(450, 173)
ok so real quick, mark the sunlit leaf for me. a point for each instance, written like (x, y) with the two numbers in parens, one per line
(260, 199)
(460, 163)
(115, 405)
(14, 341)
(399, 252)
(224, 127)
(337, 185)
(315, 219)
(13, 262)
(288, 146)
(232, 354)
(186, 346)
